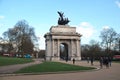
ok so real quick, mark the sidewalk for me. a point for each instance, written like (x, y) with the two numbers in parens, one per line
(83, 63)
(112, 73)
(13, 68)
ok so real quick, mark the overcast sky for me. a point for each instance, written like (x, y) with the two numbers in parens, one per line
(88, 16)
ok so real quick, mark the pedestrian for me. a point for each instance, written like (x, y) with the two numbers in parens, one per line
(110, 61)
(88, 59)
(106, 61)
(91, 60)
(66, 59)
(101, 62)
(73, 61)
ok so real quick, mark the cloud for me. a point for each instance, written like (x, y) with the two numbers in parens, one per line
(86, 29)
(1, 25)
(105, 27)
(117, 3)
(2, 17)
(41, 41)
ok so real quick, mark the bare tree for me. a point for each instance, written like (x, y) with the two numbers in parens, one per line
(85, 50)
(95, 48)
(108, 37)
(117, 44)
(22, 35)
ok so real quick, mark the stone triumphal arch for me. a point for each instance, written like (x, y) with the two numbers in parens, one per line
(66, 37)
(62, 42)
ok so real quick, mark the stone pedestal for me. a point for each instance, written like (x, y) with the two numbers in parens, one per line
(62, 34)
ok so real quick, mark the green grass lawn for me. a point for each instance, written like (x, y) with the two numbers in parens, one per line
(10, 61)
(52, 67)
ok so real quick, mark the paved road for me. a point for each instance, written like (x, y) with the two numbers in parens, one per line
(113, 73)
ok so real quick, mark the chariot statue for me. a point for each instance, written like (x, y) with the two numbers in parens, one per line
(62, 20)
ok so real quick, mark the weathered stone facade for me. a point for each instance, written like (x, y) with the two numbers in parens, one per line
(62, 34)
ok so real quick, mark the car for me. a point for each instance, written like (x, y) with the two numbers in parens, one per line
(27, 56)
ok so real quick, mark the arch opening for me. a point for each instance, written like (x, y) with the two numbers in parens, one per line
(64, 52)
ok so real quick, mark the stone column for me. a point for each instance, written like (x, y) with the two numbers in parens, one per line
(52, 54)
(78, 50)
(48, 48)
(58, 49)
(71, 50)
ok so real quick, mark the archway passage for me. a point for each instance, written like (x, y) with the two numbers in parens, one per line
(64, 52)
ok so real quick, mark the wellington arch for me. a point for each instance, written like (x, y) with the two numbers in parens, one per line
(62, 41)
(62, 35)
